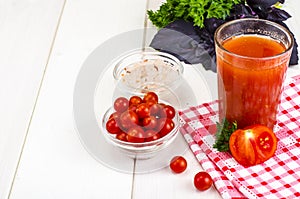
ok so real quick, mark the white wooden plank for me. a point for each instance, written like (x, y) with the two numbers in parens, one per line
(54, 163)
(26, 32)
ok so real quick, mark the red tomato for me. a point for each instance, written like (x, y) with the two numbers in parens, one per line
(112, 126)
(151, 103)
(115, 115)
(150, 96)
(132, 107)
(165, 126)
(150, 122)
(252, 145)
(128, 119)
(136, 134)
(202, 181)
(151, 135)
(135, 100)
(170, 111)
(178, 164)
(121, 104)
(156, 110)
(163, 112)
(143, 110)
(122, 136)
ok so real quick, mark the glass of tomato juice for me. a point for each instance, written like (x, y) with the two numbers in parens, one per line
(252, 58)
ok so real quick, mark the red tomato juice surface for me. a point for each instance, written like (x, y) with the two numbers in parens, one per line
(250, 80)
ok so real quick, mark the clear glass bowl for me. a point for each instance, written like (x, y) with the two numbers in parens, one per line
(148, 149)
(142, 150)
(147, 69)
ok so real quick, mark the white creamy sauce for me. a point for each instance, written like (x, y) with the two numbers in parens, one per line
(149, 72)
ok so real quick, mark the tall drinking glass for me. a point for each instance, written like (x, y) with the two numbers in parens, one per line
(252, 59)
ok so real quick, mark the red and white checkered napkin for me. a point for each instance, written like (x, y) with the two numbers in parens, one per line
(279, 177)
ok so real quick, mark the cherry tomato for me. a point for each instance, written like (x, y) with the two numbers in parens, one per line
(163, 112)
(128, 119)
(115, 115)
(150, 122)
(136, 134)
(132, 107)
(202, 181)
(143, 110)
(162, 104)
(156, 110)
(151, 103)
(165, 126)
(122, 136)
(170, 111)
(178, 164)
(136, 100)
(252, 145)
(121, 104)
(150, 96)
(151, 135)
(112, 126)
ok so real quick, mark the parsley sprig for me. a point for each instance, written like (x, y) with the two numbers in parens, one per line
(224, 131)
(191, 10)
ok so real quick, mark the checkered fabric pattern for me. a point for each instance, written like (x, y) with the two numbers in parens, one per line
(279, 177)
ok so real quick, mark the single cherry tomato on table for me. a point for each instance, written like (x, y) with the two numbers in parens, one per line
(178, 164)
(252, 145)
(121, 104)
(202, 181)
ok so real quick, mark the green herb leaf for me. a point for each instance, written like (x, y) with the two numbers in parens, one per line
(195, 11)
(224, 131)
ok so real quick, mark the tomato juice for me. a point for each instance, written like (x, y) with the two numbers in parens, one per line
(251, 70)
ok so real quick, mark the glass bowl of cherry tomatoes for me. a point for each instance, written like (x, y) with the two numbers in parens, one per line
(142, 125)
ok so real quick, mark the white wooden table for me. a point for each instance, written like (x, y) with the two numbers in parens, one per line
(43, 46)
